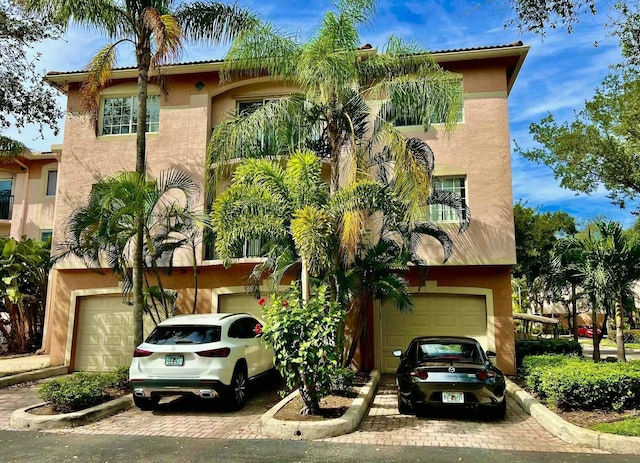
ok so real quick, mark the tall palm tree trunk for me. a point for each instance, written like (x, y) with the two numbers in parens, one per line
(143, 52)
(596, 338)
(621, 354)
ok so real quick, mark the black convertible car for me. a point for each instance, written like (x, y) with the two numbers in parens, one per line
(449, 372)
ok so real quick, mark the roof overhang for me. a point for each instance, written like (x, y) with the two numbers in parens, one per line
(516, 52)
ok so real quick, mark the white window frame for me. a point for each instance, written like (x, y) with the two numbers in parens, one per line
(132, 100)
(444, 214)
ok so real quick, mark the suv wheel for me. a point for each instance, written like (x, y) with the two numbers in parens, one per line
(237, 392)
(146, 403)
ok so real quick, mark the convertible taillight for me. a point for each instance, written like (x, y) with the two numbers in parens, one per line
(141, 352)
(222, 352)
(483, 375)
(421, 374)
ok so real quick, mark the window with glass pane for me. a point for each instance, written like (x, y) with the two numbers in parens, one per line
(400, 115)
(440, 213)
(119, 115)
(52, 181)
(264, 139)
(46, 235)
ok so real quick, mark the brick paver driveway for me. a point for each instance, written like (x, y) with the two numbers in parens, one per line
(518, 431)
(383, 425)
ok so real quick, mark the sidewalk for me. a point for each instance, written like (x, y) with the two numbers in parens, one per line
(23, 363)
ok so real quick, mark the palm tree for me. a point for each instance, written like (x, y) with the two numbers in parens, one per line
(333, 116)
(565, 254)
(156, 30)
(607, 263)
(102, 232)
(291, 211)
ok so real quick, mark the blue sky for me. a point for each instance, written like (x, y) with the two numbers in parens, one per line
(559, 74)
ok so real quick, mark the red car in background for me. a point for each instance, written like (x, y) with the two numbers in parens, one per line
(586, 331)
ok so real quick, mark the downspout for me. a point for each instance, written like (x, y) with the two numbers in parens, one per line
(24, 199)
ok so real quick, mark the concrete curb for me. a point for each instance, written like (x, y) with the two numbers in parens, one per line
(310, 430)
(571, 433)
(23, 420)
(33, 375)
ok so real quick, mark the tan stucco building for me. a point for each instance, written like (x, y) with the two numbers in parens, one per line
(28, 185)
(89, 328)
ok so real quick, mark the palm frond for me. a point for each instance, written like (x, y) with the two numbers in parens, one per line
(166, 34)
(454, 201)
(432, 230)
(214, 22)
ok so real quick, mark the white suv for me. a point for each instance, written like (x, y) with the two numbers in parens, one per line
(208, 355)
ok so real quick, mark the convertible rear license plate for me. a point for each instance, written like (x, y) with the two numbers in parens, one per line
(174, 360)
(453, 397)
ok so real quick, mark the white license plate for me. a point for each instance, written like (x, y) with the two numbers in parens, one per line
(453, 397)
(174, 360)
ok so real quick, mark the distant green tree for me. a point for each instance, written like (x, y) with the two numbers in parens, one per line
(24, 98)
(601, 146)
(606, 262)
(536, 234)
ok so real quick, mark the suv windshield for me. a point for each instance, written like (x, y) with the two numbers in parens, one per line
(184, 335)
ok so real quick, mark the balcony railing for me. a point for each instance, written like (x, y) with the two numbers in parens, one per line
(250, 248)
(6, 206)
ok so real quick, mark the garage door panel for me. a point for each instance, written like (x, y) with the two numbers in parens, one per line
(240, 303)
(433, 315)
(104, 333)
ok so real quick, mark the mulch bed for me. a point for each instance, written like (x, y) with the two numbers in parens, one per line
(331, 406)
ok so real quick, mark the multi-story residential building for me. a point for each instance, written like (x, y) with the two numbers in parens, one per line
(28, 194)
(88, 326)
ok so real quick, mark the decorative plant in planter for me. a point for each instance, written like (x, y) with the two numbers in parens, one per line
(304, 338)
(84, 390)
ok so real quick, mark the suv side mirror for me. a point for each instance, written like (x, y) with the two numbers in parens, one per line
(491, 354)
(397, 353)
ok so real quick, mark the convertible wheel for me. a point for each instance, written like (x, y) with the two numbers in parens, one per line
(146, 403)
(498, 412)
(403, 407)
(237, 392)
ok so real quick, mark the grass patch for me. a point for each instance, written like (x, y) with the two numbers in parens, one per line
(612, 343)
(629, 427)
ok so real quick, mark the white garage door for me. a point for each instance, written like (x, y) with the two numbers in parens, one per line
(433, 315)
(239, 303)
(104, 334)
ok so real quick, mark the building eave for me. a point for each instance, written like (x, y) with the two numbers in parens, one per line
(61, 80)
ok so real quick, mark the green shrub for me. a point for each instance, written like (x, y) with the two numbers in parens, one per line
(304, 338)
(631, 336)
(535, 366)
(342, 380)
(527, 347)
(81, 390)
(575, 383)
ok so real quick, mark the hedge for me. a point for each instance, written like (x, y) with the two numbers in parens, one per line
(82, 390)
(575, 383)
(527, 347)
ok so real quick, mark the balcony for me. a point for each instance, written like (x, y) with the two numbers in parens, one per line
(6, 206)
